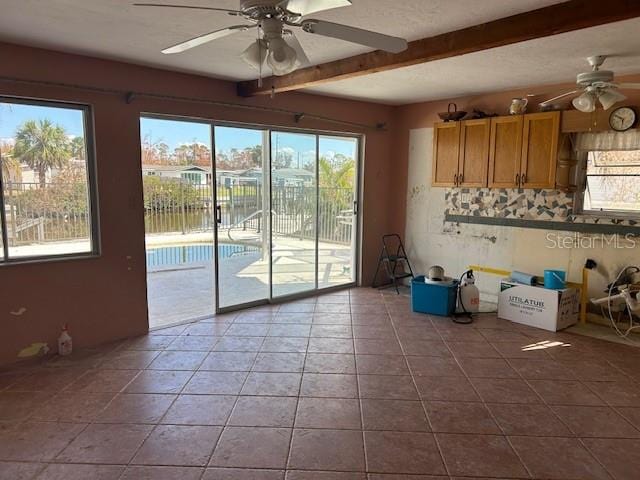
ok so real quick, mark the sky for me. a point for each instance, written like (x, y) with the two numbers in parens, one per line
(12, 115)
(175, 133)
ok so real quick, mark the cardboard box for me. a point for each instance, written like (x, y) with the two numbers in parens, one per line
(538, 307)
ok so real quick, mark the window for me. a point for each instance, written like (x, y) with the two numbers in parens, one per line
(612, 182)
(47, 199)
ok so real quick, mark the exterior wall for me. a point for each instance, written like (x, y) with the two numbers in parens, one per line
(104, 298)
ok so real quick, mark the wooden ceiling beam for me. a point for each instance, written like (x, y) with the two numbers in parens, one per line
(543, 22)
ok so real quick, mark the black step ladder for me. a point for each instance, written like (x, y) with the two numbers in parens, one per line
(392, 256)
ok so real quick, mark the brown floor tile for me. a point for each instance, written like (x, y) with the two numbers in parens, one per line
(112, 444)
(617, 394)
(207, 329)
(402, 452)
(178, 445)
(330, 363)
(159, 381)
(332, 319)
(340, 450)
(473, 349)
(200, 410)
(48, 380)
(229, 361)
(573, 461)
(103, 381)
(296, 307)
(434, 366)
(20, 470)
(332, 308)
(396, 415)
(161, 473)
(496, 336)
(216, 383)
(285, 345)
(73, 407)
(459, 334)
(149, 342)
(595, 371)
(631, 414)
(178, 360)
(556, 392)
(242, 474)
(339, 413)
(194, 343)
(487, 368)
(422, 332)
(374, 331)
(601, 422)
(136, 408)
(387, 387)
(279, 362)
(541, 369)
(272, 384)
(427, 348)
(81, 472)
(370, 320)
(263, 412)
(521, 350)
(620, 457)
(331, 331)
(504, 390)
(458, 417)
(248, 447)
(536, 420)
(373, 346)
(239, 344)
(381, 365)
(289, 330)
(129, 359)
(456, 389)
(329, 385)
(302, 475)
(480, 455)
(248, 330)
(36, 441)
(330, 345)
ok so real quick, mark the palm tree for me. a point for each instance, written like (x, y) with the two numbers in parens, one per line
(42, 145)
(77, 148)
(10, 166)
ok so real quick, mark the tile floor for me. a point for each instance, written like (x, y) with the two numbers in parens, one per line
(346, 386)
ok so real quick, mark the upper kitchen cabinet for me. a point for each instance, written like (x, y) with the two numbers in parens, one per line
(474, 152)
(539, 150)
(505, 151)
(446, 150)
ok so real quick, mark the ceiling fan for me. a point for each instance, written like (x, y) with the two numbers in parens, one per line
(596, 85)
(276, 43)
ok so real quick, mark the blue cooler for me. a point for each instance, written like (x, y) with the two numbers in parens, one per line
(432, 298)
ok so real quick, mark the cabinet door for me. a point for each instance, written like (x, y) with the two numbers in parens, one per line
(505, 150)
(540, 149)
(474, 152)
(446, 149)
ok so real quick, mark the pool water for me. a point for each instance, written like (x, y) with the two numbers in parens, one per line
(199, 253)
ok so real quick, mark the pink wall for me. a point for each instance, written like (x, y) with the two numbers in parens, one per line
(105, 298)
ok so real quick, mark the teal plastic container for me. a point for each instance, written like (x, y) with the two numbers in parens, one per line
(555, 279)
(433, 298)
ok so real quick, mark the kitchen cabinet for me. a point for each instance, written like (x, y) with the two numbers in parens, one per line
(539, 150)
(460, 153)
(505, 151)
(446, 150)
(519, 151)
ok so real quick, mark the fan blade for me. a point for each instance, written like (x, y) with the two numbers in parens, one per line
(355, 35)
(292, 41)
(193, 7)
(306, 7)
(207, 37)
(551, 100)
(632, 86)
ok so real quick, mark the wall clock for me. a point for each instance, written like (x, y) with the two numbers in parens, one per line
(622, 119)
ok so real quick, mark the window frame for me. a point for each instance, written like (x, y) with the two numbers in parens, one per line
(88, 122)
(582, 191)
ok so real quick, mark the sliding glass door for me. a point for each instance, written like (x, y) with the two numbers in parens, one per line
(242, 203)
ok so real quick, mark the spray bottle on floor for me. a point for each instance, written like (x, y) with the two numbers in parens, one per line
(65, 344)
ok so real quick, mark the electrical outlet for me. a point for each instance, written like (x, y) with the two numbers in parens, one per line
(465, 197)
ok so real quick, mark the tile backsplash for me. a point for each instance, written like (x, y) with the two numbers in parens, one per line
(529, 204)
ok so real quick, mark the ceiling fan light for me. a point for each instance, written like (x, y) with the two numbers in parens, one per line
(610, 97)
(281, 58)
(255, 54)
(585, 102)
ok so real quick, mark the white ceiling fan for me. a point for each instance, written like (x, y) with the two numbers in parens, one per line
(596, 85)
(276, 43)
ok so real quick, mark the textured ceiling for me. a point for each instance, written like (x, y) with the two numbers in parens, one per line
(115, 29)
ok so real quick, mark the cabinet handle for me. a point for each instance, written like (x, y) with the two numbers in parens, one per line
(455, 179)
(523, 179)
(517, 179)
(461, 178)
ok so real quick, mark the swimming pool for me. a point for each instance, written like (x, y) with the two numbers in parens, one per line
(198, 253)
